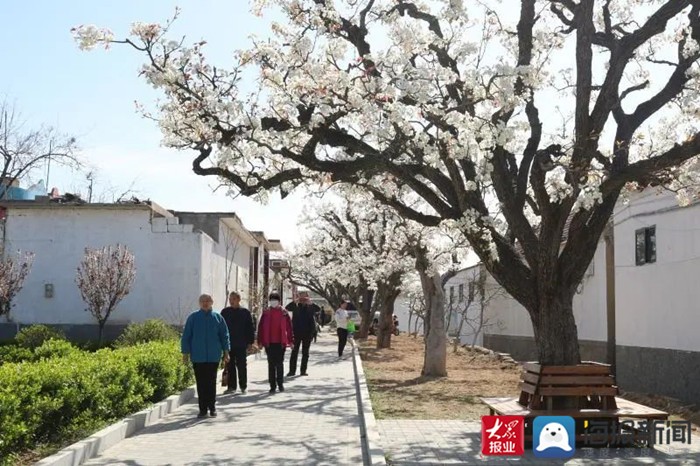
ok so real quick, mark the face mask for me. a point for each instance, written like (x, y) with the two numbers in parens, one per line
(274, 303)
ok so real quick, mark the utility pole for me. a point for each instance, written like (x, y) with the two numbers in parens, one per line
(610, 293)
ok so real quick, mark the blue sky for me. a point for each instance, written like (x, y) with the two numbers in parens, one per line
(91, 95)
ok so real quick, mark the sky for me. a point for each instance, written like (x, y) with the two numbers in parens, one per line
(91, 96)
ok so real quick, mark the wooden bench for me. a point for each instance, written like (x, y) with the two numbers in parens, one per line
(590, 392)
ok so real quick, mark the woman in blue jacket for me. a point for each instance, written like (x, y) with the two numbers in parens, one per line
(204, 340)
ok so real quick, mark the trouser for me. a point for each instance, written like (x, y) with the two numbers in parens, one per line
(305, 343)
(342, 340)
(238, 364)
(275, 364)
(205, 375)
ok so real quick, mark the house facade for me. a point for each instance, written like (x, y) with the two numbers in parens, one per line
(656, 314)
(178, 256)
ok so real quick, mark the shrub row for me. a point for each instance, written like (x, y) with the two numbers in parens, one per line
(55, 400)
(35, 335)
(48, 349)
(150, 330)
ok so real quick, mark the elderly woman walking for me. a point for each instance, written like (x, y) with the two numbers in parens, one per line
(203, 342)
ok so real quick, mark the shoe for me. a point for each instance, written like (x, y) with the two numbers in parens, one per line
(273, 390)
(212, 413)
(202, 414)
(243, 390)
(230, 390)
(303, 374)
(290, 374)
(281, 388)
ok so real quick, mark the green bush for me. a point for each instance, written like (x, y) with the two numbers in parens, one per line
(54, 349)
(14, 353)
(144, 332)
(34, 336)
(55, 399)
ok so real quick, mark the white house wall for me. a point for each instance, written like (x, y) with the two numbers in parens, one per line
(167, 263)
(658, 304)
(174, 265)
(214, 262)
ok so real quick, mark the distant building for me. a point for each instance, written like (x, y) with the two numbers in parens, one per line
(178, 255)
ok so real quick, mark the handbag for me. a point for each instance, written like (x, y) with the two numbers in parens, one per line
(224, 377)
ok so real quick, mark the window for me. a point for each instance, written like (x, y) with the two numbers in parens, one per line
(645, 245)
(461, 293)
(452, 294)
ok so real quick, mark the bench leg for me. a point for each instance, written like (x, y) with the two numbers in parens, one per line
(492, 412)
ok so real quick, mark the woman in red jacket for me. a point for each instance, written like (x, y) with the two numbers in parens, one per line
(275, 335)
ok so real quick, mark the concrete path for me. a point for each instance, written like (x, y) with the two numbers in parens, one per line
(314, 422)
(422, 443)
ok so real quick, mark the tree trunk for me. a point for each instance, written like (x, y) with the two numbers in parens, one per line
(449, 319)
(387, 292)
(410, 318)
(386, 321)
(458, 338)
(435, 357)
(101, 328)
(365, 313)
(556, 335)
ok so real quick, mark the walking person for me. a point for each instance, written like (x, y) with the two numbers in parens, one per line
(304, 325)
(275, 335)
(341, 321)
(203, 342)
(241, 329)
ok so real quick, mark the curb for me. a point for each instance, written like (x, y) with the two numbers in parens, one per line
(372, 451)
(97, 443)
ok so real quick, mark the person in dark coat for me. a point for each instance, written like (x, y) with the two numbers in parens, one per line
(304, 326)
(241, 330)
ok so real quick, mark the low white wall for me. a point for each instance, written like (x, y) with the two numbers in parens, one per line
(174, 264)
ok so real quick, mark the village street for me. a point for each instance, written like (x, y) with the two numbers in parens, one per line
(314, 421)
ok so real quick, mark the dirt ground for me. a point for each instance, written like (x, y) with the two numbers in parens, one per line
(398, 391)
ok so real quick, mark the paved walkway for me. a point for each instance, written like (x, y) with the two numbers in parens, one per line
(414, 443)
(314, 422)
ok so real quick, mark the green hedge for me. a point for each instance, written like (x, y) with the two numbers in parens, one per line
(56, 400)
(14, 353)
(35, 335)
(48, 349)
(144, 332)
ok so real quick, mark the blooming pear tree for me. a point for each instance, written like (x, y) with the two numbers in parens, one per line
(519, 124)
(13, 272)
(316, 266)
(360, 244)
(105, 277)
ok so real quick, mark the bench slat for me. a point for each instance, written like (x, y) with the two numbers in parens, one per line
(626, 409)
(532, 367)
(528, 387)
(576, 391)
(532, 378)
(576, 370)
(586, 380)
